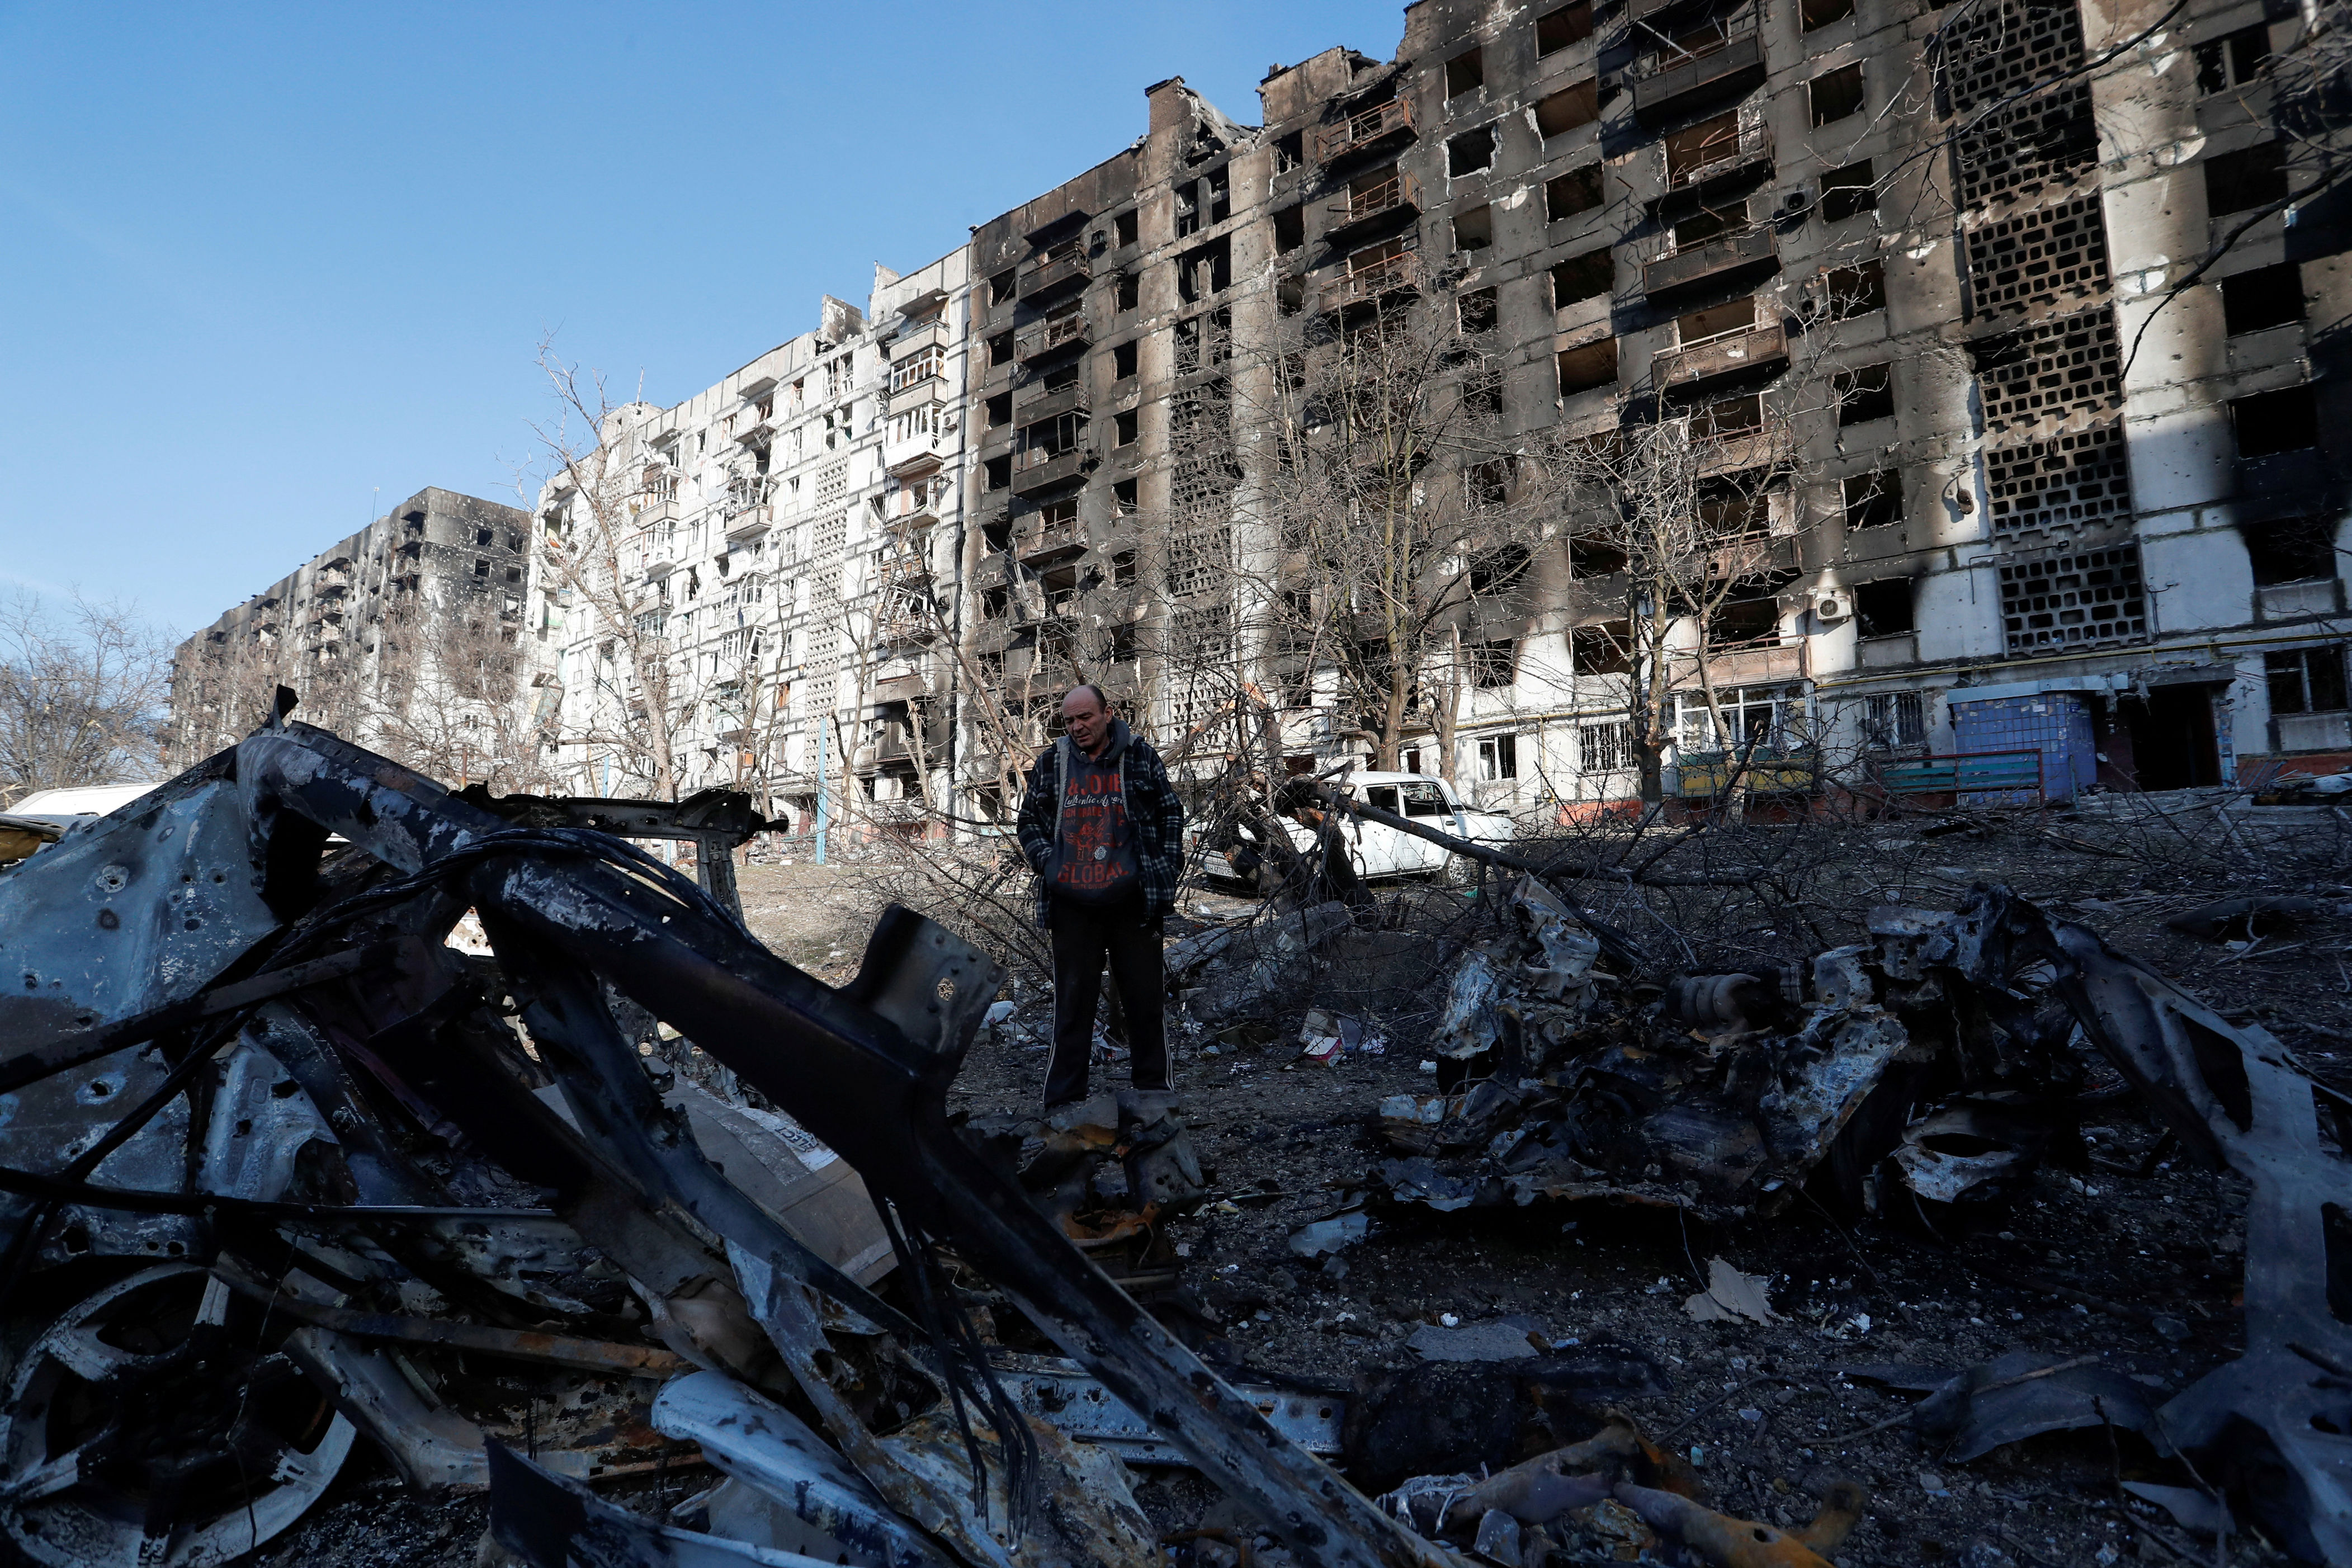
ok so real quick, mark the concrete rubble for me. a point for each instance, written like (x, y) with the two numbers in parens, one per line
(605, 1188)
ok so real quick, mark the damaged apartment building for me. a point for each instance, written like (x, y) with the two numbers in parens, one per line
(2021, 507)
(372, 631)
(779, 541)
(2036, 485)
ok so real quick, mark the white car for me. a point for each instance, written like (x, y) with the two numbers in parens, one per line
(1379, 850)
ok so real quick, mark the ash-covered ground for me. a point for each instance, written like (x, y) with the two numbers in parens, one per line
(2135, 1256)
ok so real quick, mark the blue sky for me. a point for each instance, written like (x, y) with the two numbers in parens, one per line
(270, 269)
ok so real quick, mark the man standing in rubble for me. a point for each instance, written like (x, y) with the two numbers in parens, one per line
(1101, 827)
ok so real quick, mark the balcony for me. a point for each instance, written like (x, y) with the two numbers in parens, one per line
(1058, 270)
(653, 512)
(1397, 193)
(928, 387)
(1713, 264)
(1392, 274)
(1056, 541)
(1748, 352)
(1381, 125)
(1714, 171)
(1047, 339)
(751, 522)
(1061, 400)
(1676, 80)
(1037, 470)
(901, 687)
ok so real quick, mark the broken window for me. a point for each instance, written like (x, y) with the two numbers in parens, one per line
(1205, 270)
(1000, 410)
(1698, 147)
(1563, 111)
(1847, 191)
(1122, 362)
(2306, 681)
(1836, 94)
(1490, 484)
(1874, 500)
(2235, 59)
(1465, 72)
(2251, 177)
(1604, 649)
(1127, 225)
(2265, 297)
(1498, 757)
(1122, 498)
(2290, 550)
(1587, 366)
(999, 349)
(1892, 720)
(1471, 153)
(1579, 190)
(1059, 378)
(1474, 229)
(1476, 311)
(1708, 223)
(1865, 394)
(1555, 30)
(1000, 287)
(1732, 416)
(1493, 666)
(1594, 555)
(1885, 608)
(1289, 151)
(1052, 438)
(1217, 194)
(1816, 13)
(999, 473)
(1716, 321)
(1289, 229)
(1848, 292)
(1130, 291)
(1187, 209)
(1123, 427)
(1580, 278)
(2269, 423)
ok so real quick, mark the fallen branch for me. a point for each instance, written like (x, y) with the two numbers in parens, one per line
(1615, 942)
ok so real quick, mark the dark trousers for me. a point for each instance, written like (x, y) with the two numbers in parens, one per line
(1084, 935)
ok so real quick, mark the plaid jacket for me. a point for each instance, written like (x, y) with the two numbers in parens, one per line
(1154, 816)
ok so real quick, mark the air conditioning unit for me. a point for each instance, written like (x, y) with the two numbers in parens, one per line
(1832, 605)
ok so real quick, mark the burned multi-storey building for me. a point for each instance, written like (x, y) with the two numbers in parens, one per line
(1911, 272)
(415, 633)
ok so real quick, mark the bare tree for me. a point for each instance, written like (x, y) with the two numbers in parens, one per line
(450, 696)
(1395, 516)
(603, 520)
(82, 694)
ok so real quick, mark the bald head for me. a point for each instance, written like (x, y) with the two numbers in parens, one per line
(1086, 716)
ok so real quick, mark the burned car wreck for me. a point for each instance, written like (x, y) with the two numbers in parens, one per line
(617, 1188)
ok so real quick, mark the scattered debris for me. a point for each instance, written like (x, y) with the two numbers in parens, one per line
(2249, 917)
(1731, 1297)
